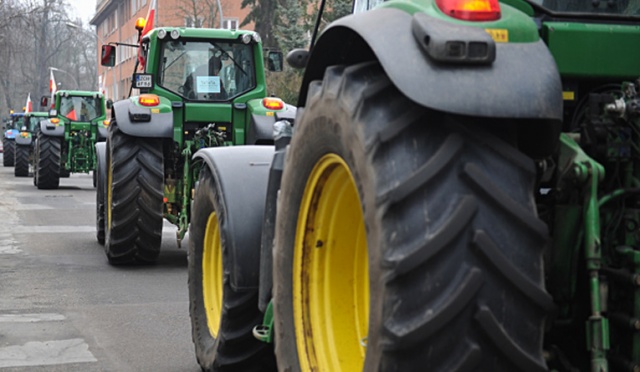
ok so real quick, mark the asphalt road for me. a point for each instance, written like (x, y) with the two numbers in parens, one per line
(64, 308)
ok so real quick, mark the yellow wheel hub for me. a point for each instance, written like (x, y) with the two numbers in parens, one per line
(331, 272)
(212, 275)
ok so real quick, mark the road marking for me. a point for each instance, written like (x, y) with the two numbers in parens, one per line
(46, 353)
(52, 229)
(33, 207)
(9, 249)
(30, 318)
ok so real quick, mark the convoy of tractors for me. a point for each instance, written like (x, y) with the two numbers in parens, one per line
(457, 188)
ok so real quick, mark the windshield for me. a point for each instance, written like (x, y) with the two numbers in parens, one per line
(207, 71)
(81, 108)
(30, 122)
(603, 7)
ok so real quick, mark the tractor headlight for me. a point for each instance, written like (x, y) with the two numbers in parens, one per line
(257, 38)
(246, 38)
(162, 34)
(23, 129)
(175, 34)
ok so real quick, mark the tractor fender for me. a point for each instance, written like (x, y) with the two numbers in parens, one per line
(21, 141)
(241, 174)
(522, 82)
(102, 132)
(261, 126)
(126, 114)
(10, 134)
(101, 157)
(50, 129)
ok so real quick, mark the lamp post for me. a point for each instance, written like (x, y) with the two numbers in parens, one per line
(64, 72)
(101, 41)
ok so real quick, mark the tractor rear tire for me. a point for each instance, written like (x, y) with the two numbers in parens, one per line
(8, 149)
(406, 239)
(48, 162)
(222, 318)
(135, 191)
(21, 167)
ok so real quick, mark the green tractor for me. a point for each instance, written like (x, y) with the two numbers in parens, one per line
(65, 143)
(199, 88)
(460, 192)
(24, 142)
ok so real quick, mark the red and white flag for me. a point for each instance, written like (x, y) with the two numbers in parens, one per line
(148, 26)
(53, 88)
(29, 106)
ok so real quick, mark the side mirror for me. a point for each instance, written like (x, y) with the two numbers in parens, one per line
(44, 101)
(274, 61)
(298, 58)
(109, 104)
(108, 55)
(53, 113)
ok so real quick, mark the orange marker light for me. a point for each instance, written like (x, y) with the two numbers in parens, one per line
(140, 23)
(471, 10)
(106, 123)
(24, 134)
(149, 100)
(273, 103)
(55, 121)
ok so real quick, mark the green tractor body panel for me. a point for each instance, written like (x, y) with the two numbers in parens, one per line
(584, 50)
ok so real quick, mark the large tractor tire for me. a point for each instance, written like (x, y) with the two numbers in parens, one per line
(48, 162)
(406, 239)
(135, 181)
(8, 149)
(21, 167)
(222, 318)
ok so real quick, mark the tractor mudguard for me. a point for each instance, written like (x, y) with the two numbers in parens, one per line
(101, 157)
(21, 141)
(261, 126)
(522, 82)
(52, 130)
(132, 120)
(102, 132)
(10, 134)
(242, 174)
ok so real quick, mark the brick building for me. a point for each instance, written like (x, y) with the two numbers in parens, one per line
(115, 22)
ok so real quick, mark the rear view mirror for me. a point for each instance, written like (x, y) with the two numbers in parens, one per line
(109, 104)
(44, 101)
(108, 55)
(274, 61)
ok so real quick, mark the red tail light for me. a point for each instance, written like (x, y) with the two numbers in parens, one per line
(273, 103)
(149, 100)
(471, 10)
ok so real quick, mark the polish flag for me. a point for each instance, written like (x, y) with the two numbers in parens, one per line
(53, 88)
(148, 26)
(29, 105)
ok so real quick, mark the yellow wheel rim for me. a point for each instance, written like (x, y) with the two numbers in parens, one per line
(331, 272)
(212, 275)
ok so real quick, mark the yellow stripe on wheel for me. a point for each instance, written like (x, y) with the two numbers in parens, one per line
(212, 275)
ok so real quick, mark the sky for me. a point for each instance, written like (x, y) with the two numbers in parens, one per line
(85, 9)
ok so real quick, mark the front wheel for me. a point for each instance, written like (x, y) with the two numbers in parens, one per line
(406, 239)
(222, 317)
(21, 167)
(135, 189)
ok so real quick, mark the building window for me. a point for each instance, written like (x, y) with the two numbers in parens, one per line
(230, 23)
